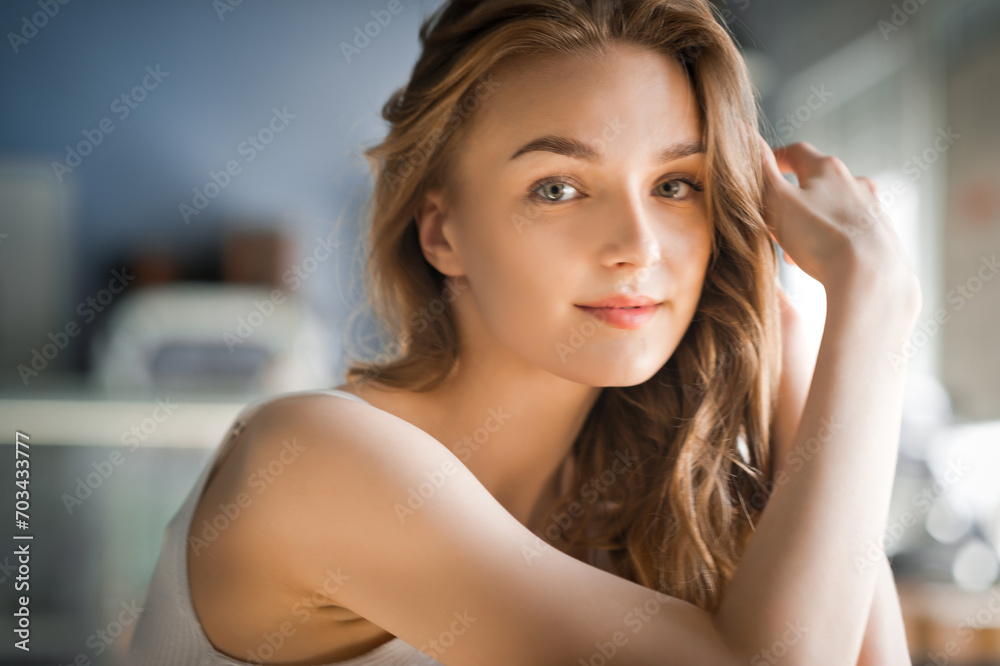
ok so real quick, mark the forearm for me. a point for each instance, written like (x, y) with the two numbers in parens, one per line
(799, 569)
(885, 634)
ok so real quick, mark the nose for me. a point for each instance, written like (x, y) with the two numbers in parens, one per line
(633, 239)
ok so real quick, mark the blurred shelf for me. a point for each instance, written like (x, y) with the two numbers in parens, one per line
(149, 422)
(945, 624)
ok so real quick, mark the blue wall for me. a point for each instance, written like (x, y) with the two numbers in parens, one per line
(226, 73)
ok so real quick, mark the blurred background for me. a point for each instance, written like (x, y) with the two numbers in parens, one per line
(181, 189)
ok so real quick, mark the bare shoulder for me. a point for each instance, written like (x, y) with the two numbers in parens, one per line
(417, 546)
(303, 442)
(330, 434)
(315, 424)
(254, 563)
(315, 463)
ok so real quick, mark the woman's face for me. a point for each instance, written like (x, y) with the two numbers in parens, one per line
(539, 230)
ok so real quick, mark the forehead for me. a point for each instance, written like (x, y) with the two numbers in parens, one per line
(626, 100)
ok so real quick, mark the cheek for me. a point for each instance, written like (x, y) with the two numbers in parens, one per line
(526, 275)
(691, 245)
(694, 268)
(515, 249)
(525, 283)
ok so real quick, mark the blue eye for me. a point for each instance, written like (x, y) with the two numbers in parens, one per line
(552, 189)
(680, 188)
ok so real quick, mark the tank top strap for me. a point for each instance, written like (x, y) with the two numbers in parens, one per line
(344, 394)
(239, 423)
(251, 408)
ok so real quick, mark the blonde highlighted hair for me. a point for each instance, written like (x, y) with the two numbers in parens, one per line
(677, 520)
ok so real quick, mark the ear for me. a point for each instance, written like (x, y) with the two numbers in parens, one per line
(435, 230)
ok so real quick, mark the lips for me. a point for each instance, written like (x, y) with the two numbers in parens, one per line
(620, 301)
(624, 312)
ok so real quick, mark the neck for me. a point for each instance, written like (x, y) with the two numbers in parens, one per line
(513, 431)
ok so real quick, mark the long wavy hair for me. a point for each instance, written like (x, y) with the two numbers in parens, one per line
(679, 519)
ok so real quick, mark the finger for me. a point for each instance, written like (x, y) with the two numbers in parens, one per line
(801, 159)
(868, 183)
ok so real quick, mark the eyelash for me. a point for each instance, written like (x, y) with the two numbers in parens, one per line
(565, 180)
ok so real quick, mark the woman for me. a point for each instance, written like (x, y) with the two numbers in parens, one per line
(584, 410)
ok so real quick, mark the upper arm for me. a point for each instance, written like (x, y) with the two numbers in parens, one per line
(424, 551)
(797, 363)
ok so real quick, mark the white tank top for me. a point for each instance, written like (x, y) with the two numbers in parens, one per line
(168, 633)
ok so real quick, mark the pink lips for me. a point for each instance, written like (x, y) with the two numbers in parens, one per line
(628, 312)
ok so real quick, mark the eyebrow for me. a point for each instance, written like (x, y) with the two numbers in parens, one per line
(573, 148)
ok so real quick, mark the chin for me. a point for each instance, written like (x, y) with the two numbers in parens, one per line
(606, 372)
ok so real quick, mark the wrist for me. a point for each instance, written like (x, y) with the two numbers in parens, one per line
(892, 293)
